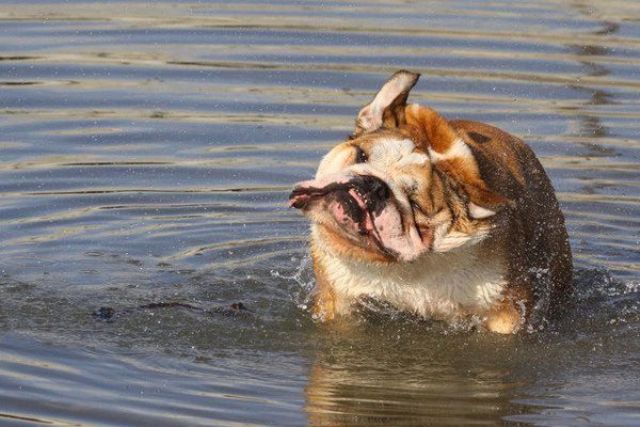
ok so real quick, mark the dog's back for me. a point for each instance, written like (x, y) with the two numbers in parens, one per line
(538, 243)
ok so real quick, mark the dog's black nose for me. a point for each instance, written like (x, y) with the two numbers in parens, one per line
(373, 190)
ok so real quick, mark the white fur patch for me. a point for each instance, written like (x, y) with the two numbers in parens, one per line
(445, 242)
(478, 212)
(386, 152)
(436, 284)
(333, 162)
(387, 159)
(458, 149)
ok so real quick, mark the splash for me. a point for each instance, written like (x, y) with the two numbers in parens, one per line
(301, 281)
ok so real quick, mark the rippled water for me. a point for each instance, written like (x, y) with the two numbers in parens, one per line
(146, 152)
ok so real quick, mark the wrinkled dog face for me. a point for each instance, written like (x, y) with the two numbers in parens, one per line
(379, 196)
(374, 192)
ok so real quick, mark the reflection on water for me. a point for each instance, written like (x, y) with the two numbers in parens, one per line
(146, 154)
(412, 373)
(415, 381)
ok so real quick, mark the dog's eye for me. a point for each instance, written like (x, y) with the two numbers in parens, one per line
(361, 156)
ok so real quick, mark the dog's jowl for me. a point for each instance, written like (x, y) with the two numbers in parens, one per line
(445, 219)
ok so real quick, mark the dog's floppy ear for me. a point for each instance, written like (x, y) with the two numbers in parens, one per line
(387, 108)
(450, 154)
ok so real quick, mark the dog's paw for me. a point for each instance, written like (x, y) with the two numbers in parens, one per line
(505, 320)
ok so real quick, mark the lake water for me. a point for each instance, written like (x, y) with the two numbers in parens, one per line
(146, 154)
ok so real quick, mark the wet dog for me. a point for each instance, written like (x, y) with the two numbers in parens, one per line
(449, 220)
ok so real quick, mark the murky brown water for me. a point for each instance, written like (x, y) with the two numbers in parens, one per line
(146, 153)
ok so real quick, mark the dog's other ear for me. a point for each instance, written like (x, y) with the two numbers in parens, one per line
(451, 155)
(387, 108)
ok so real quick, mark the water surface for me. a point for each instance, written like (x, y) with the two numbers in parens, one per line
(146, 154)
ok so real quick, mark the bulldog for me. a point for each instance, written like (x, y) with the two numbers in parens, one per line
(450, 220)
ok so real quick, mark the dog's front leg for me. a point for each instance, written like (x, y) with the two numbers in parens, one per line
(324, 304)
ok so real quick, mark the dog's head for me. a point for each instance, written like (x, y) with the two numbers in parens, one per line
(404, 184)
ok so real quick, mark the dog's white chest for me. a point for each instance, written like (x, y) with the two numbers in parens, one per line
(441, 285)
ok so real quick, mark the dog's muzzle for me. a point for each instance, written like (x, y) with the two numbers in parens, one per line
(365, 206)
(359, 195)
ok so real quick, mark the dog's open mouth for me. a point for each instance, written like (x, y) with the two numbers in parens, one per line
(354, 204)
(363, 209)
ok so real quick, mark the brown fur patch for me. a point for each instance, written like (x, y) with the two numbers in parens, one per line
(430, 128)
(478, 138)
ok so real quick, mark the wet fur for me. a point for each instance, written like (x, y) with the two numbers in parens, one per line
(496, 245)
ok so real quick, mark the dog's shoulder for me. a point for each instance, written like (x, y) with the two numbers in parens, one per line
(506, 162)
(502, 158)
